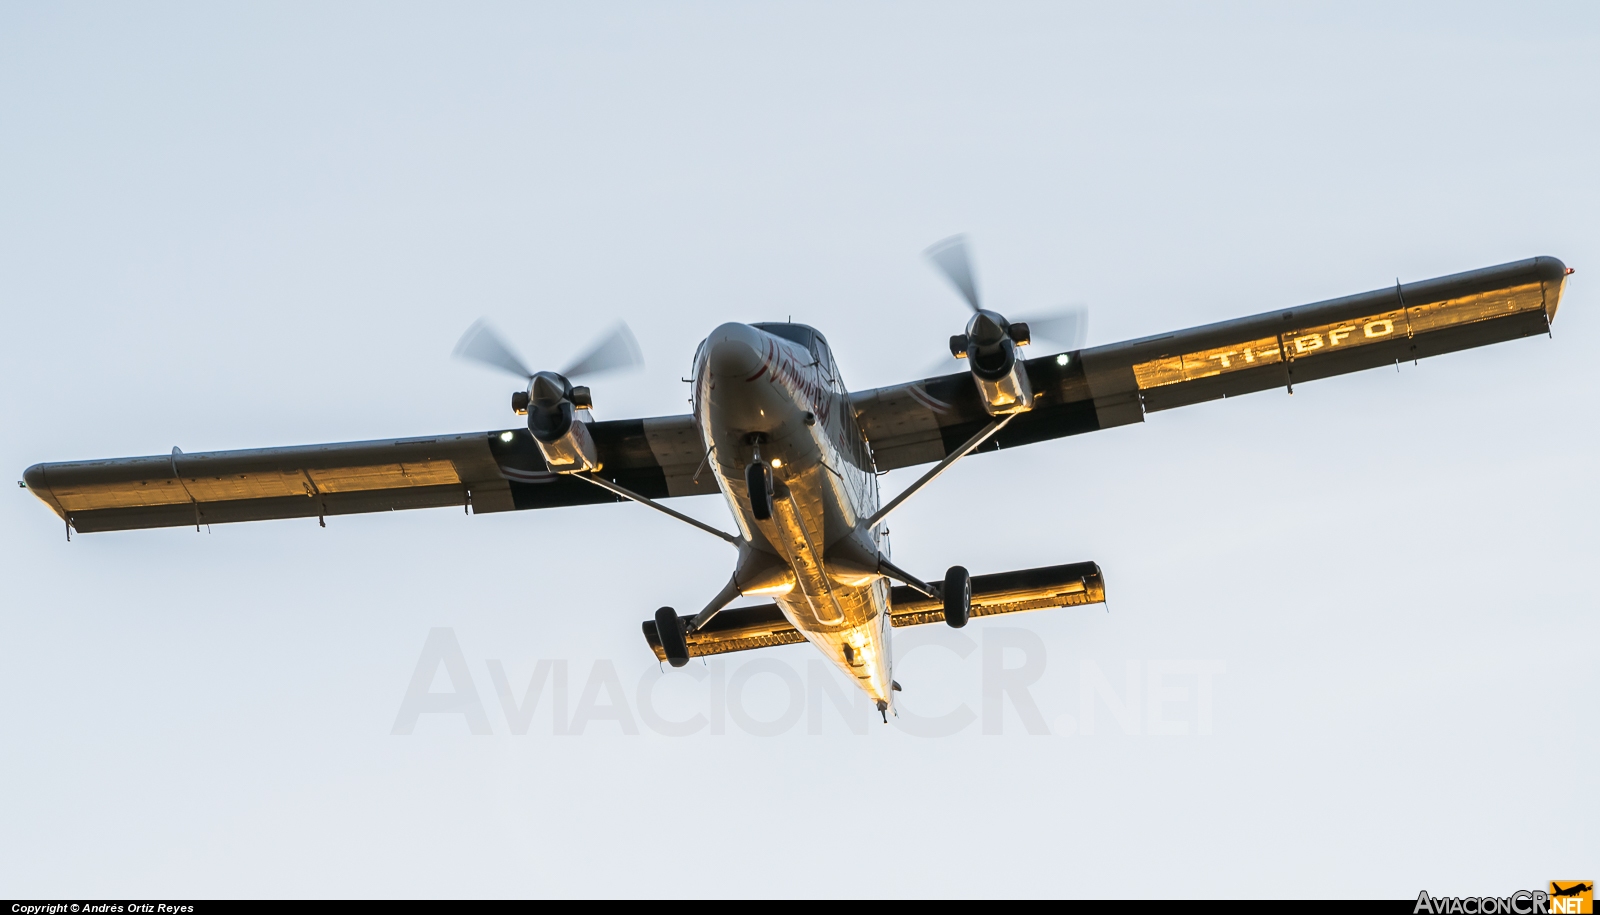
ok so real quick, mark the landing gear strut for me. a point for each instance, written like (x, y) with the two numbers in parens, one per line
(957, 597)
(674, 644)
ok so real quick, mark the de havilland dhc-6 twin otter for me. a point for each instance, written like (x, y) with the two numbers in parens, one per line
(797, 455)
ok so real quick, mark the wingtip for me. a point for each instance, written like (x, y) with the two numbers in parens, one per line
(33, 480)
(1555, 273)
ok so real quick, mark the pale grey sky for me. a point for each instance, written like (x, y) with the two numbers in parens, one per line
(255, 225)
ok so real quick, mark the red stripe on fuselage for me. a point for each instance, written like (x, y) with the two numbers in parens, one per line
(764, 363)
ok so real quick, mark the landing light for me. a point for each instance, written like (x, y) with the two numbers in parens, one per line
(777, 463)
(1063, 359)
(507, 436)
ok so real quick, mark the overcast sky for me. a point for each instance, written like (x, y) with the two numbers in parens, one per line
(228, 226)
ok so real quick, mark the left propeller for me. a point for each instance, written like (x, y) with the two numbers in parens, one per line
(552, 393)
(617, 350)
(550, 400)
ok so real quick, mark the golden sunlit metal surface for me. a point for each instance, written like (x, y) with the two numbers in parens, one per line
(1215, 361)
(1319, 341)
(764, 626)
(493, 471)
(1077, 584)
(265, 484)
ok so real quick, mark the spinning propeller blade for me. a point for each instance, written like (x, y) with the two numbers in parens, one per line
(481, 344)
(952, 259)
(1066, 328)
(619, 350)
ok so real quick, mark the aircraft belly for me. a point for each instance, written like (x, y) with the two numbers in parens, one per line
(799, 518)
(865, 630)
(847, 622)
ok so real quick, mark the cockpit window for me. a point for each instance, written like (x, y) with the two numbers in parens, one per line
(799, 333)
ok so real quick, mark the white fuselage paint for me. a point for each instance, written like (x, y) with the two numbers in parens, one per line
(815, 556)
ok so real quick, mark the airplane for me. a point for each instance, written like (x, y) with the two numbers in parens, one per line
(797, 455)
(1577, 889)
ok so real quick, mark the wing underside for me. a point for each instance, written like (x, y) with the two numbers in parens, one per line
(1114, 385)
(481, 472)
(905, 424)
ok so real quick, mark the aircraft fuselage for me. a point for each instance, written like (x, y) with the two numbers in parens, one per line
(779, 395)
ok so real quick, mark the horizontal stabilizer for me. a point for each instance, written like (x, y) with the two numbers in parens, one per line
(764, 626)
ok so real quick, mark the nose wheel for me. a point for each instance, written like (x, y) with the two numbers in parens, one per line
(957, 597)
(758, 479)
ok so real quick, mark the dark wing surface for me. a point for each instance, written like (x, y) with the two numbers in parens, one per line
(488, 471)
(1114, 385)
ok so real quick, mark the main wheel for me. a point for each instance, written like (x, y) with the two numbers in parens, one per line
(957, 597)
(758, 477)
(673, 641)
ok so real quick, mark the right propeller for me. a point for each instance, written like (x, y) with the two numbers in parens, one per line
(991, 341)
(1065, 327)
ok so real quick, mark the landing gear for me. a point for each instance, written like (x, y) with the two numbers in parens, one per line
(957, 597)
(883, 709)
(758, 478)
(674, 644)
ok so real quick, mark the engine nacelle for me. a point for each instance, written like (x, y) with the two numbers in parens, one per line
(573, 452)
(562, 438)
(990, 348)
(1003, 385)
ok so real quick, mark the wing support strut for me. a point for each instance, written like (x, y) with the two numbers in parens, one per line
(972, 443)
(894, 572)
(726, 596)
(627, 493)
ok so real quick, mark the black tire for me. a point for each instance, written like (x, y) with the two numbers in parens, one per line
(673, 641)
(957, 597)
(758, 477)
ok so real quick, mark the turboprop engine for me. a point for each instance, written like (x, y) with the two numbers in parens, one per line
(990, 348)
(551, 401)
(990, 343)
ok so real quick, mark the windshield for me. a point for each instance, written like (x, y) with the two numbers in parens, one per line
(799, 333)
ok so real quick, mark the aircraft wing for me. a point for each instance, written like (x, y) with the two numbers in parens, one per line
(1114, 385)
(486, 471)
